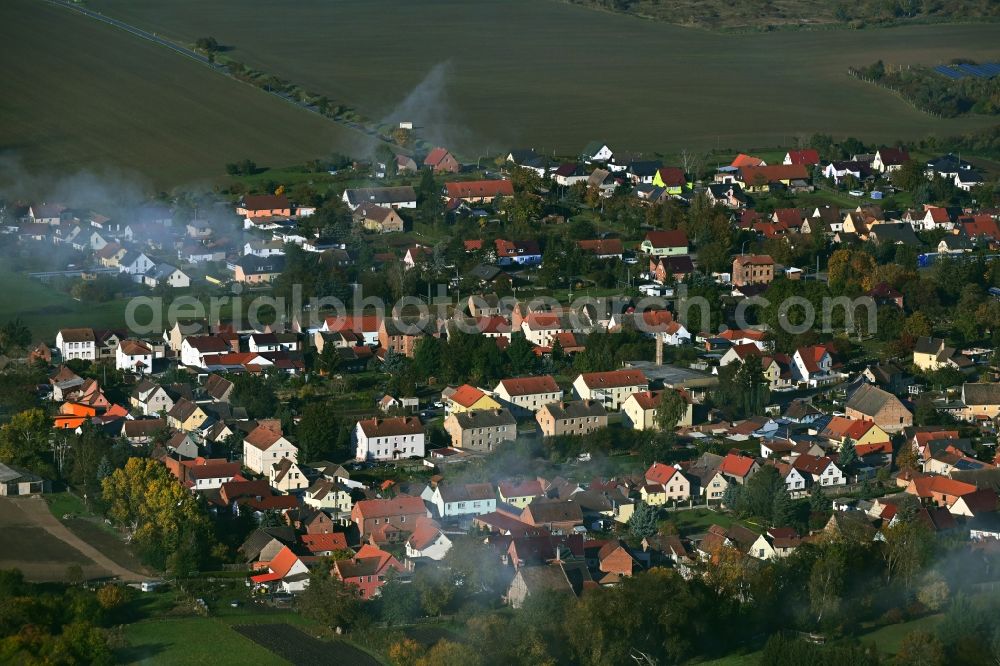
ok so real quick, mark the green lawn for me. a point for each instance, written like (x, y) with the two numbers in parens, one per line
(468, 89)
(61, 504)
(45, 310)
(890, 638)
(695, 521)
(191, 641)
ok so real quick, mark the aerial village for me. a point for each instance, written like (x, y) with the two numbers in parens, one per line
(570, 446)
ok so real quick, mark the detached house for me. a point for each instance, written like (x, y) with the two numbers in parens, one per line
(611, 389)
(134, 356)
(456, 499)
(931, 354)
(186, 415)
(665, 243)
(639, 410)
(813, 366)
(980, 402)
(368, 570)
(753, 269)
(264, 446)
(819, 470)
(440, 160)
(389, 439)
(671, 480)
(388, 520)
(78, 343)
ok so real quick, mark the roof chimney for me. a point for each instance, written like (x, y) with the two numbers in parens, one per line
(659, 349)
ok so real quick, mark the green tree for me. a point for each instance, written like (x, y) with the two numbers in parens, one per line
(826, 583)
(643, 522)
(671, 409)
(848, 454)
(329, 601)
(315, 432)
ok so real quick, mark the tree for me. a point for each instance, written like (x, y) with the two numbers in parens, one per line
(671, 409)
(920, 648)
(111, 596)
(848, 454)
(317, 427)
(14, 335)
(329, 600)
(154, 510)
(907, 547)
(826, 581)
(643, 522)
(732, 496)
(782, 510)
(24, 441)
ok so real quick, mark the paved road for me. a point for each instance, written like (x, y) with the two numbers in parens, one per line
(37, 509)
(218, 68)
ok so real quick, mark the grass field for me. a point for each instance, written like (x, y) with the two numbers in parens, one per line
(553, 76)
(94, 97)
(45, 310)
(39, 554)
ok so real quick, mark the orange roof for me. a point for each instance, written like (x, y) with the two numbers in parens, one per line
(877, 447)
(466, 395)
(362, 324)
(279, 567)
(841, 426)
(761, 175)
(479, 188)
(660, 473)
(742, 333)
(736, 465)
(426, 533)
(926, 486)
(404, 505)
(754, 260)
(744, 160)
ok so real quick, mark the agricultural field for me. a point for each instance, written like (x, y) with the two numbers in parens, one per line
(159, 119)
(45, 311)
(490, 75)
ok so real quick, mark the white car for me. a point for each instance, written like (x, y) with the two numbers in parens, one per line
(857, 193)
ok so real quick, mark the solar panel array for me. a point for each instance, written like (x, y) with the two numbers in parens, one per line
(986, 70)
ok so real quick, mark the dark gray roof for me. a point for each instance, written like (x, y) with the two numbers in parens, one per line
(870, 400)
(380, 195)
(485, 418)
(981, 394)
(574, 409)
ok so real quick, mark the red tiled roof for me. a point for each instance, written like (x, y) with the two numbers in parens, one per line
(660, 473)
(479, 188)
(807, 156)
(265, 202)
(670, 238)
(327, 541)
(614, 379)
(672, 176)
(769, 174)
(743, 160)
(399, 425)
(404, 505)
(530, 385)
(279, 567)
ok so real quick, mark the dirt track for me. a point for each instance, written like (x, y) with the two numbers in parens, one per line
(32, 513)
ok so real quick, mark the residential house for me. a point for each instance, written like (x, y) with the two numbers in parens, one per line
(576, 417)
(480, 429)
(819, 470)
(469, 499)
(478, 191)
(753, 269)
(79, 343)
(520, 493)
(264, 205)
(265, 445)
(329, 495)
(286, 572)
(558, 516)
(671, 269)
(939, 490)
(186, 415)
(806, 157)
(428, 541)
(378, 219)
(639, 410)
(523, 395)
(440, 160)
(738, 467)
(930, 354)
(671, 179)
(391, 197)
(194, 349)
(251, 269)
(168, 275)
(674, 485)
(286, 476)
(389, 439)
(134, 356)
(150, 398)
(596, 151)
(813, 366)
(388, 520)
(888, 160)
(467, 398)
(980, 401)
(612, 388)
(517, 253)
(136, 264)
(886, 410)
(368, 570)
(557, 577)
(665, 243)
